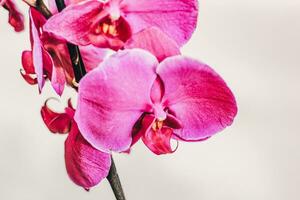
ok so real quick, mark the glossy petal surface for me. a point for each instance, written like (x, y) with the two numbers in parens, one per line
(36, 21)
(76, 23)
(86, 166)
(154, 41)
(15, 18)
(197, 96)
(92, 56)
(177, 18)
(113, 97)
(56, 122)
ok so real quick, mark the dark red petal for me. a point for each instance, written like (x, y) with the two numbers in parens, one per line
(27, 62)
(29, 78)
(159, 141)
(86, 166)
(56, 122)
(172, 122)
(70, 109)
(141, 127)
(16, 19)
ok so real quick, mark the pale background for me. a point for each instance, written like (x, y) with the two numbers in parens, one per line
(253, 44)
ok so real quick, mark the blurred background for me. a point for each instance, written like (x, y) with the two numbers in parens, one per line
(253, 44)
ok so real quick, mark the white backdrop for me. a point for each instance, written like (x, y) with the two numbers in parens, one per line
(253, 44)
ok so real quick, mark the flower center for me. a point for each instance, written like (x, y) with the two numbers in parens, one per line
(113, 28)
(157, 125)
(106, 28)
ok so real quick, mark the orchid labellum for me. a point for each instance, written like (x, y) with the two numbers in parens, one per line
(111, 23)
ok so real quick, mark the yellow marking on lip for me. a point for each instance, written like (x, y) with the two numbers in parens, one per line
(105, 28)
(157, 125)
(112, 30)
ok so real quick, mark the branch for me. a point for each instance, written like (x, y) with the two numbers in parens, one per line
(40, 6)
(77, 63)
(114, 181)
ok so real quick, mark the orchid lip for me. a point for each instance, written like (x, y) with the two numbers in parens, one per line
(112, 26)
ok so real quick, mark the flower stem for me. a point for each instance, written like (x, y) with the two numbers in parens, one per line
(114, 181)
(77, 63)
(40, 6)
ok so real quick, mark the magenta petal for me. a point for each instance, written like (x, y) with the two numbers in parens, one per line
(92, 56)
(27, 62)
(28, 72)
(60, 57)
(16, 18)
(56, 122)
(159, 141)
(141, 127)
(155, 41)
(29, 78)
(74, 22)
(177, 18)
(86, 166)
(197, 96)
(37, 49)
(2, 2)
(58, 80)
(113, 97)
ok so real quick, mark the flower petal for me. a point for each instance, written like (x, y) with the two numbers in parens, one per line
(197, 96)
(29, 78)
(159, 141)
(28, 72)
(27, 62)
(141, 127)
(74, 22)
(177, 18)
(86, 166)
(2, 2)
(92, 56)
(36, 21)
(56, 122)
(58, 80)
(154, 41)
(62, 65)
(113, 97)
(16, 19)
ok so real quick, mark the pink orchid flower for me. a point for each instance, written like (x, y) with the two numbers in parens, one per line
(86, 166)
(110, 23)
(50, 59)
(132, 95)
(15, 18)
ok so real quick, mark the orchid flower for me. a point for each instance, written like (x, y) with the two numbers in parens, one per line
(16, 18)
(49, 57)
(131, 95)
(110, 23)
(86, 166)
